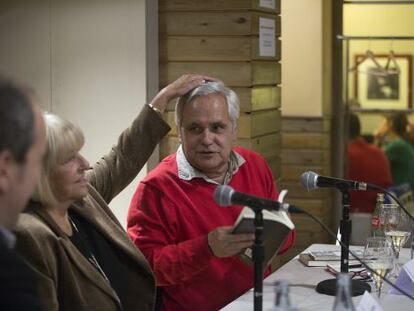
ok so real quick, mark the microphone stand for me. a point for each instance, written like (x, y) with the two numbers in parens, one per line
(258, 258)
(328, 287)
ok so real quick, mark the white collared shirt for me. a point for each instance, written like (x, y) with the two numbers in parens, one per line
(188, 172)
(8, 237)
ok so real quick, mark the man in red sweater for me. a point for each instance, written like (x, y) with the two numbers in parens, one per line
(174, 219)
(368, 163)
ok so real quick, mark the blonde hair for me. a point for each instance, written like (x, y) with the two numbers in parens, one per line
(62, 138)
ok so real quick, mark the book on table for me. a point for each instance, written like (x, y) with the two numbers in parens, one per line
(323, 258)
(333, 255)
(308, 261)
(276, 227)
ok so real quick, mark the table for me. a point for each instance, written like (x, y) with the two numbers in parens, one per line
(302, 281)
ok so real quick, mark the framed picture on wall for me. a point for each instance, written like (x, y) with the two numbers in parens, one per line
(378, 86)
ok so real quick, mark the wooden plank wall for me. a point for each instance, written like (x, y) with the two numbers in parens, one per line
(221, 38)
(306, 146)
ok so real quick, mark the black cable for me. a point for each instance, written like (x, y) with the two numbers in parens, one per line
(356, 257)
(372, 186)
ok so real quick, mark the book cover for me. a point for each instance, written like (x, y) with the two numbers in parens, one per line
(333, 255)
(276, 227)
(308, 261)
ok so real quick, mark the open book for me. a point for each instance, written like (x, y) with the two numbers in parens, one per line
(276, 227)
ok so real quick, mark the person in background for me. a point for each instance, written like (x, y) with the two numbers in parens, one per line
(22, 145)
(173, 218)
(82, 256)
(394, 135)
(367, 163)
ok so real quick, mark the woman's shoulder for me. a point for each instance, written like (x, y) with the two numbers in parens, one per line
(30, 224)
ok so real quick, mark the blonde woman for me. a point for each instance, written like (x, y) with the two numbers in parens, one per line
(82, 256)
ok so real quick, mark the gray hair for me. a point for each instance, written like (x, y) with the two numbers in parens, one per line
(62, 139)
(213, 87)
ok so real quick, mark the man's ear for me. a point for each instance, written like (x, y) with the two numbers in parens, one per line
(234, 134)
(179, 133)
(7, 164)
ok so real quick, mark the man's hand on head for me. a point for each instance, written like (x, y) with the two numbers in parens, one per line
(178, 88)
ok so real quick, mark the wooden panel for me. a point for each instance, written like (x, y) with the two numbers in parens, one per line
(240, 48)
(242, 74)
(306, 147)
(306, 157)
(218, 23)
(305, 223)
(169, 117)
(267, 145)
(294, 172)
(296, 190)
(259, 98)
(317, 207)
(305, 238)
(301, 124)
(300, 140)
(258, 123)
(168, 145)
(212, 5)
(274, 165)
(252, 98)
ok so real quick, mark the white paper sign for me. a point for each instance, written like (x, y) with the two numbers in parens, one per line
(406, 279)
(368, 303)
(267, 37)
(268, 4)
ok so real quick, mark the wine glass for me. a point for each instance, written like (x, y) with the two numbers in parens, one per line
(397, 230)
(389, 216)
(378, 255)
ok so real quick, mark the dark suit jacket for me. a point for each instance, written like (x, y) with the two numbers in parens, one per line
(18, 290)
(67, 281)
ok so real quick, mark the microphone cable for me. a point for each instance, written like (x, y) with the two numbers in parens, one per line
(326, 228)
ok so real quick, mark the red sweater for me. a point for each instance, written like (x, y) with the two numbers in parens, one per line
(367, 163)
(169, 219)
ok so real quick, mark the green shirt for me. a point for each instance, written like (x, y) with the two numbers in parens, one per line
(400, 154)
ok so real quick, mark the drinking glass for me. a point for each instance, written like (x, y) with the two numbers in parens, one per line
(389, 216)
(396, 228)
(378, 255)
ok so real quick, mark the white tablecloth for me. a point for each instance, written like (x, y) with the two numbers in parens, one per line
(303, 281)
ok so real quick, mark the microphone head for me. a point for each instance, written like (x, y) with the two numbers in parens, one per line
(223, 194)
(309, 180)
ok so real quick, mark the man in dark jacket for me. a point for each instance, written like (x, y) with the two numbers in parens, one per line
(22, 144)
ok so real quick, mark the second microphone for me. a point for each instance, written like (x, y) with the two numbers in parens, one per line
(225, 195)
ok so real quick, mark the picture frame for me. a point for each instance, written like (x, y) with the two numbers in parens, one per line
(375, 90)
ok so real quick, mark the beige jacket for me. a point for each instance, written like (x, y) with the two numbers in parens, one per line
(67, 281)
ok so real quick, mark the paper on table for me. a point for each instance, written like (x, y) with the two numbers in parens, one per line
(406, 279)
(368, 303)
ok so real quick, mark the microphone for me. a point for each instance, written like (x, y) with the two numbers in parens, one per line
(225, 195)
(311, 180)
